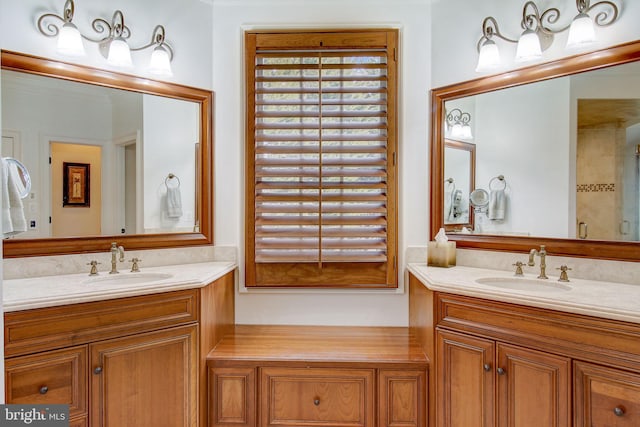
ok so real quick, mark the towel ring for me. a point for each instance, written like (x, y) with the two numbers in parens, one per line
(23, 173)
(498, 178)
(169, 178)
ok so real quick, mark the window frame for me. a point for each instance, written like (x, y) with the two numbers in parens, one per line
(366, 275)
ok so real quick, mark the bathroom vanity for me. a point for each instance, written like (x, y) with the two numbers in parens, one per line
(114, 351)
(527, 357)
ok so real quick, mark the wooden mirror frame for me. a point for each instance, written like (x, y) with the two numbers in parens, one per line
(613, 250)
(13, 248)
(471, 149)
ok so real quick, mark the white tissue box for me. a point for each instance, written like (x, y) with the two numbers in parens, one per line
(441, 254)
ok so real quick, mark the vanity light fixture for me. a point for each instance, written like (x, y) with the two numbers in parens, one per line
(112, 39)
(538, 33)
(457, 123)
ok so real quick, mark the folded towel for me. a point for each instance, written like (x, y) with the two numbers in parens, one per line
(174, 202)
(497, 205)
(13, 219)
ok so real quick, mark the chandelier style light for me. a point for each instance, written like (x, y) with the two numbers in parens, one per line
(457, 124)
(539, 33)
(111, 38)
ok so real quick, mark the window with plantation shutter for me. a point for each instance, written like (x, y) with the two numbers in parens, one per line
(321, 147)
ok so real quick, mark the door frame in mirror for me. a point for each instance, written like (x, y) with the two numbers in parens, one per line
(14, 248)
(613, 250)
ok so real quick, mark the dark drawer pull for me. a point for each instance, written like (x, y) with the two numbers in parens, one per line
(487, 367)
(44, 389)
(619, 411)
(316, 402)
(501, 371)
(97, 370)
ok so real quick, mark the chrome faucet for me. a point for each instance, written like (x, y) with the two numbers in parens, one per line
(115, 250)
(542, 253)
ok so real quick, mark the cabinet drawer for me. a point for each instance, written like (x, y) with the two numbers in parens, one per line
(317, 396)
(54, 377)
(56, 327)
(606, 397)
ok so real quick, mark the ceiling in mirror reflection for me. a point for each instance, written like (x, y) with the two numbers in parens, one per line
(568, 148)
(143, 139)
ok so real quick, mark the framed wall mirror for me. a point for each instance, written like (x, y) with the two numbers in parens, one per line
(147, 152)
(459, 172)
(565, 137)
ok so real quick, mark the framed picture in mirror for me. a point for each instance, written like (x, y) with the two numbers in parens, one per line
(76, 190)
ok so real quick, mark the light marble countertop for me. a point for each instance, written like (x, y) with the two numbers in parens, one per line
(49, 291)
(607, 300)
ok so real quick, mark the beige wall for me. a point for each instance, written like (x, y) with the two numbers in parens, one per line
(71, 220)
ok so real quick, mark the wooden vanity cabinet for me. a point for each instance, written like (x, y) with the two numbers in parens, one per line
(606, 397)
(503, 364)
(272, 376)
(136, 361)
(477, 376)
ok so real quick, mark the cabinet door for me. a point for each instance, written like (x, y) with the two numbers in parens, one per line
(232, 397)
(605, 397)
(533, 388)
(145, 380)
(465, 380)
(58, 377)
(402, 398)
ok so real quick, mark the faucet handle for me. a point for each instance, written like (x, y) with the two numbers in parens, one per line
(134, 265)
(94, 267)
(564, 277)
(518, 265)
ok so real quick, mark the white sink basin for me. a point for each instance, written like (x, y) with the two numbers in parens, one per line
(522, 284)
(129, 279)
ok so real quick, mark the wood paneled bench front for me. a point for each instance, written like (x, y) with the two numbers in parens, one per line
(316, 375)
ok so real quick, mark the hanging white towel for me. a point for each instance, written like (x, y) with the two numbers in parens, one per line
(497, 205)
(13, 219)
(174, 202)
(448, 199)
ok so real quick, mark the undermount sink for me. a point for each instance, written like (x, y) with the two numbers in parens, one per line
(129, 279)
(522, 284)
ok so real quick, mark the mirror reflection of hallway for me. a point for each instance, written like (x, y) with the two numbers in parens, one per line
(75, 220)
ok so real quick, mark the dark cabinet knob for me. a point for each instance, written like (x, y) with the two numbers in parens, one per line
(619, 411)
(44, 389)
(487, 367)
(97, 370)
(316, 402)
(500, 371)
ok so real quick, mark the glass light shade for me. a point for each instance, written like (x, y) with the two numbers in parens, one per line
(466, 132)
(119, 53)
(160, 63)
(489, 57)
(528, 47)
(457, 131)
(581, 32)
(70, 41)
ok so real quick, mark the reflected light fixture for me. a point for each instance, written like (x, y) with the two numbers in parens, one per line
(457, 124)
(111, 38)
(539, 33)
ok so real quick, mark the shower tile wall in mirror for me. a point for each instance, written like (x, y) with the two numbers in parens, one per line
(569, 150)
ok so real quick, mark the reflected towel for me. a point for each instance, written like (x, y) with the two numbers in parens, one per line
(13, 220)
(448, 205)
(174, 202)
(497, 205)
